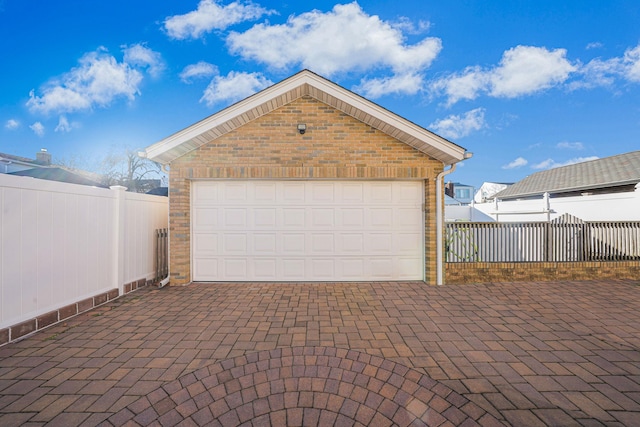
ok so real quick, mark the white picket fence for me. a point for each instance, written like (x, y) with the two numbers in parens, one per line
(61, 243)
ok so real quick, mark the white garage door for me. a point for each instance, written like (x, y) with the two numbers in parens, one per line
(307, 230)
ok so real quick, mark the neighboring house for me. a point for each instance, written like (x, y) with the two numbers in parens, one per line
(488, 190)
(304, 181)
(598, 190)
(53, 173)
(42, 168)
(10, 163)
(463, 193)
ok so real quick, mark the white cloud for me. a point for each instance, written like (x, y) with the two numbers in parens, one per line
(597, 73)
(341, 40)
(209, 16)
(97, 81)
(550, 163)
(234, 87)
(12, 124)
(631, 64)
(570, 145)
(527, 69)
(139, 55)
(594, 45)
(37, 128)
(460, 126)
(523, 70)
(465, 85)
(605, 72)
(64, 125)
(198, 71)
(399, 84)
(517, 163)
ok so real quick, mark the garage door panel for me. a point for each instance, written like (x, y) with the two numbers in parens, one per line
(265, 269)
(235, 243)
(323, 268)
(205, 218)
(379, 243)
(407, 243)
(352, 192)
(351, 218)
(352, 268)
(234, 218)
(265, 243)
(293, 268)
(381, 268)
(350, 243)
(236, 192)
(206, 193)
(322, 192)
(265, 218)
(293, 218)
(406, 192)
(293, 242)
(408, 268)
(410, 218)
(323, 243)
(235, 268)
(293, 192)
(206, 268)
(307, 231)
(206, 243)
(381, 218)
(265, 192)
(381, 192)
(322, 217)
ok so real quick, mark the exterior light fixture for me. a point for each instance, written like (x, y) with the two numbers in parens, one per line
(302, 128)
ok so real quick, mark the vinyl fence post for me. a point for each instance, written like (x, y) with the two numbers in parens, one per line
(119, 237)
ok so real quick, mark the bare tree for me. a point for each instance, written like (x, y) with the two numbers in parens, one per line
(129, 170)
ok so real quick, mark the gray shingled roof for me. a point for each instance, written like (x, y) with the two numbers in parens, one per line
(623, 169)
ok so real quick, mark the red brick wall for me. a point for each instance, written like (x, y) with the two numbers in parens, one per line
(335, 146)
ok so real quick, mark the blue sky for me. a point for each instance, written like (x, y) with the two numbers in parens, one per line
(524, 85)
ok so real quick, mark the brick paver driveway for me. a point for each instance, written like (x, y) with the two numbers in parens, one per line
(336, 354)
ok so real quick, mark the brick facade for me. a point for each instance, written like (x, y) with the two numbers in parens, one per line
(335, 146)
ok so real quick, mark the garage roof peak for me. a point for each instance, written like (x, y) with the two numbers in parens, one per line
(304, 83)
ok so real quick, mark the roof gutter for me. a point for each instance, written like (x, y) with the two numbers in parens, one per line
(440, 225)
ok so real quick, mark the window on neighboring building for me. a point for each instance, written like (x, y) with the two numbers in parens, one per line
(463, 193)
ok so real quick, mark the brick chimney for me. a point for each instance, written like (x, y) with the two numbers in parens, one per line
(448, 189)
(43, 157)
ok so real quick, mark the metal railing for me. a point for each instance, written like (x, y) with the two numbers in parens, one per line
(162, 253)
(542, 241)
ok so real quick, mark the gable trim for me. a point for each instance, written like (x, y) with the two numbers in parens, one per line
(296, 86)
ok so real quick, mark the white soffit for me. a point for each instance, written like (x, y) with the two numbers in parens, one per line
(304, 83)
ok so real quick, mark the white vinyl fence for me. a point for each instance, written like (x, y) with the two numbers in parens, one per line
(61, 243)
(596, 207)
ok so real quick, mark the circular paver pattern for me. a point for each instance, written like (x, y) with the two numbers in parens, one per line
(304, 386)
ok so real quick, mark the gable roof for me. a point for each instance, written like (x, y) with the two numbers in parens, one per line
(614, 171)
(296, 86)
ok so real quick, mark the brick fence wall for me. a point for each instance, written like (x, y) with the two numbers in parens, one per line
(489, 272)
